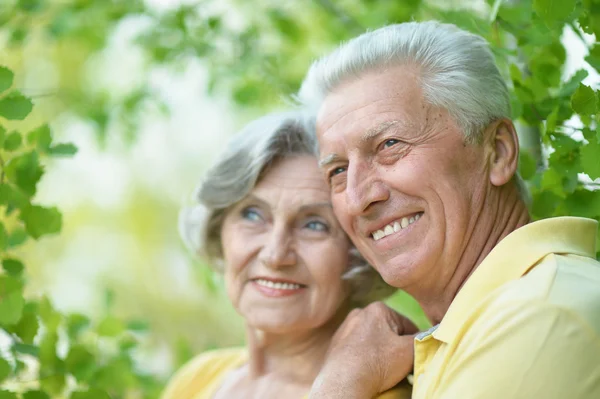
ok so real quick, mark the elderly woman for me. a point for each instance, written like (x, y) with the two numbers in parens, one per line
(289, 269)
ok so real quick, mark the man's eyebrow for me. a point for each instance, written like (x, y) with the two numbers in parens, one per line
(368, 136)
(377, 130)
(328, 159)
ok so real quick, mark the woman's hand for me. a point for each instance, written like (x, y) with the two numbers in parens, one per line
(370, 353)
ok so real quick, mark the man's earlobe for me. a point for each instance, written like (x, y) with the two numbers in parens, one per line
(505, 156)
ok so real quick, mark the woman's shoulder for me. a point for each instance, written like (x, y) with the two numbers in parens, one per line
(203, 371)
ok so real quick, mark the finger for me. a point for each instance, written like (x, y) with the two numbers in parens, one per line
(402, 324)
(352, 320)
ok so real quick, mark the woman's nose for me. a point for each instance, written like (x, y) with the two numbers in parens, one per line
(278, 251)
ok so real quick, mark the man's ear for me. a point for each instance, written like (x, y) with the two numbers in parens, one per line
(505, 151)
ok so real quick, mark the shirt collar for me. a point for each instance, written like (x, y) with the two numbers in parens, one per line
(513, 257)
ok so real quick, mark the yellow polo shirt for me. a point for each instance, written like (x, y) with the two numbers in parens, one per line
(203, 375)
(526, 324)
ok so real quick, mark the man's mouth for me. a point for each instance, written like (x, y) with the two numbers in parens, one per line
(396, 226)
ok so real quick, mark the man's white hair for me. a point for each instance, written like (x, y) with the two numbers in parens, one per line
(457, 70)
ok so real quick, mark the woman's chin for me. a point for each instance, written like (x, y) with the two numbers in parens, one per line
(284, 325)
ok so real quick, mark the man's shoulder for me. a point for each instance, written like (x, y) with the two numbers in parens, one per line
(558, 284)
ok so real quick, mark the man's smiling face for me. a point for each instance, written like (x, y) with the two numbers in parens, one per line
(403, 182)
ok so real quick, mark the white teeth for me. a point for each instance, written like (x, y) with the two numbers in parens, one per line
(394, 227)
(277, 286)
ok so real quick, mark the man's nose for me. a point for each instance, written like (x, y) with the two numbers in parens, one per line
(363, 188)
(279, 250)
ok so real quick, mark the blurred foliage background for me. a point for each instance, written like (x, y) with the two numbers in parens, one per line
(148, 92)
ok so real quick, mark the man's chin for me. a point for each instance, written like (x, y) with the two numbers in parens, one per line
(397, 272)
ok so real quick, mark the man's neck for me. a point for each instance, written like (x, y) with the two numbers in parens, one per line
(499, 215)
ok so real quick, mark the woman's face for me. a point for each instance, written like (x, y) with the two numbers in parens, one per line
(284, 250)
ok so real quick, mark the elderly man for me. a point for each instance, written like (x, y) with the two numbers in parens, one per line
(421, 158)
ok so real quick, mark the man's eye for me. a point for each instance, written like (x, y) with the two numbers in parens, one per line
(337, 171)
(390, 142)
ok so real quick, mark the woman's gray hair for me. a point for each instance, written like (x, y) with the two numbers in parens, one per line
(457, 72)
(248, 154)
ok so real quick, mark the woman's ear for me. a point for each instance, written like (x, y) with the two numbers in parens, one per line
(505, 152)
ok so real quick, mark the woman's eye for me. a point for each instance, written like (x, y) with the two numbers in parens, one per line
(251, 214)
(390, 142)
(317, 226)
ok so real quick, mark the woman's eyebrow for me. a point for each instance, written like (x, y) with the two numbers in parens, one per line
(254, 198)
(306, 207)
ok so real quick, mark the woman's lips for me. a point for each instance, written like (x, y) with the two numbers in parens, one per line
(272, 288)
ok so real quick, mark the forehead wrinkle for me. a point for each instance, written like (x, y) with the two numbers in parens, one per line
(373, 132)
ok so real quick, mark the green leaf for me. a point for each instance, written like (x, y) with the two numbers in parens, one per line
(27, 327)
(30, 5)
(75, 324)
(12, 141)
(50, 363)
(6, 78)
(25, 172)
(17, 237)
(49, 315)
(54, 384)
(584, 100)
(127, 342)
(11, 300)
(63, 149)
(92, 393)
(26, 349)
(13, 267)
(584, 203)
(110, 327)
(80, 362)
(544, 204)
(590, 159)
(117, 374)
(569, 87)
(593, 57)
(35, 395)
(15, 106)
(40, 221)
(553, 11)
(41, 138)
(12, 197)
(5, 369)
(11, 308)
(3, 237)
(138, 325)
(7, 395)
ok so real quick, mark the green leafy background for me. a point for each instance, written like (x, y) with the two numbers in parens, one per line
(111, 110)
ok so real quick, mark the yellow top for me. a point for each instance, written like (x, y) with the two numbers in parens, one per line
(526, 324)
(203, 375)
